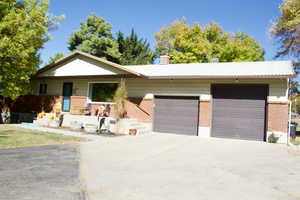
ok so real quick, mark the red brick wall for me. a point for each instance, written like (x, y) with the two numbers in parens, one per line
(277, 118)
(138, 108)
(32, 103)
(77, 104)
(205, 113)
(145, 111)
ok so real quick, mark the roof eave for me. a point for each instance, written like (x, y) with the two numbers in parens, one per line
(221, 77)
(75, 53)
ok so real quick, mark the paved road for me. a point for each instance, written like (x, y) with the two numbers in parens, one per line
(40, 173)
(163, 167)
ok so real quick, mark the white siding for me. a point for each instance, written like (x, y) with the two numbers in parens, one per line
(142, 88)
(80, 86)
(81, 66)
(146, 88)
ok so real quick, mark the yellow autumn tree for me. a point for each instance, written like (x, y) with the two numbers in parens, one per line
(193, 43)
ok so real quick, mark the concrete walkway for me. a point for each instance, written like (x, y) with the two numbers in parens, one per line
(60, 131)
(162, 167)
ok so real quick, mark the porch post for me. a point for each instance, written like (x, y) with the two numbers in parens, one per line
(123, 82)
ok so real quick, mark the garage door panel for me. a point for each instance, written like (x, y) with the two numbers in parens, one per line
(176, 118)
(242, 123)
(239, 112)
(177, 110)
(240, 103)
(176, 115)
(169, 128)
(177, 122)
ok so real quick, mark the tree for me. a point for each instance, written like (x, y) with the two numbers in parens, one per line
(134, 51)
(95, 37)
(286, 29)
(54, 58)
(192, 44)
(24, 29)
(120, 97)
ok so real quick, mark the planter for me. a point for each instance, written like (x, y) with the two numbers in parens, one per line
(132, 132)
(43, 122)
(90, 128)
(75, 125)
(122, 126)
(54, 124)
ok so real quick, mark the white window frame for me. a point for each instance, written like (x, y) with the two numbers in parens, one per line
(88, 92)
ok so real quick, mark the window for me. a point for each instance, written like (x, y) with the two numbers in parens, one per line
(43, 88)
(102, 92)
(1, 87)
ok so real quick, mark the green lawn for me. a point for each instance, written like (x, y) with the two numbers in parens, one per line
(12, 137)
(296, 141)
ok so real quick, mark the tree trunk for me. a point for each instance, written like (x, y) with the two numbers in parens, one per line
(5, 112)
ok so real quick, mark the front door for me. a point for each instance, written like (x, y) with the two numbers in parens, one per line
(67, 93)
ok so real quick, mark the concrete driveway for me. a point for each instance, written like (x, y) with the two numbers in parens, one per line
(174, 167)
(40, 173)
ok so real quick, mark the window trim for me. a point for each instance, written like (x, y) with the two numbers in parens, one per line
(89, 100)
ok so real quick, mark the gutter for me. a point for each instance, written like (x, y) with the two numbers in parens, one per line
(219, 77)
(290, 114)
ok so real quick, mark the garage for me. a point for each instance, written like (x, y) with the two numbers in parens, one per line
(239, 111)
(176, 114)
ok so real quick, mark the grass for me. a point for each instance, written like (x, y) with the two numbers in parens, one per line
(296, 141)
(13, 137)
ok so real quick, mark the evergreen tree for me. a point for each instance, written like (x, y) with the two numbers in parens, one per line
(95, 37)
(134, 51)
(54, 58)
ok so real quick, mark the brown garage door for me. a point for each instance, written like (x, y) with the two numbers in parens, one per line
(176, 114)
(239, 111)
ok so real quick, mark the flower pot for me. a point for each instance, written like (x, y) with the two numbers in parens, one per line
(122, 126)
(132, 132)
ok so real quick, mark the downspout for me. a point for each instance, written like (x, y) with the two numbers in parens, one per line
(290, 114)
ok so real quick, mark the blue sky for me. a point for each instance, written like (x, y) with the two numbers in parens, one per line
(148, 16)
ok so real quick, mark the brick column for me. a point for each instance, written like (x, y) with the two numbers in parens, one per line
(205, 113)
(77, 104)
(277, 116)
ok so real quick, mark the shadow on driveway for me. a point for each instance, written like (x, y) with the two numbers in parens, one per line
(45, 172)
